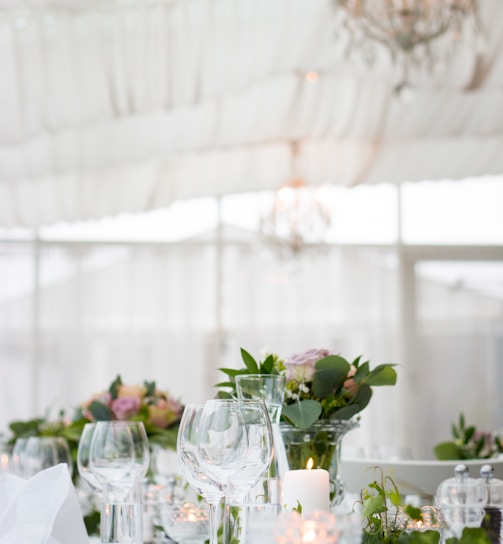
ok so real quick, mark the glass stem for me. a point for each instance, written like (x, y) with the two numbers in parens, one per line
(213, 505)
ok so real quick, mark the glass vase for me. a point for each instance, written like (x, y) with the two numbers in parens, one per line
(322, 443)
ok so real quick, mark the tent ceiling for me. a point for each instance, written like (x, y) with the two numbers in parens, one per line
(117, 106)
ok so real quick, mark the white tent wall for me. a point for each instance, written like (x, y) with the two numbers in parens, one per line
(152, 312)
(123, 106)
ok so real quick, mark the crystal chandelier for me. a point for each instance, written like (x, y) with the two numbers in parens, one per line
(298, 219)
(416, 33)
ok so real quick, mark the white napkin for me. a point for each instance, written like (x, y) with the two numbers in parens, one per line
(41, 510)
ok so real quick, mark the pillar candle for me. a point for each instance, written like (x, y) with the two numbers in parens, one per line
(310, 487)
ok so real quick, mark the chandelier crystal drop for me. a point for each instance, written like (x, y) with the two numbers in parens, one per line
(299, 219)
(416, 33)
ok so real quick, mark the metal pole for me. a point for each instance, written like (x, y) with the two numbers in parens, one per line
(35, 331)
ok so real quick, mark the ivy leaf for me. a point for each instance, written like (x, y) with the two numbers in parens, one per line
(302, 414)
(427, 537)
(413, 512)
(249, 361)
(474, 535)
(373, 505)
(330, 373)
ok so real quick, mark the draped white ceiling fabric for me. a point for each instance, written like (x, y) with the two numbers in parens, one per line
(117, 106)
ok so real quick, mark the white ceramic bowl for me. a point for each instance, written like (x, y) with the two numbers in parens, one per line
(412, 477)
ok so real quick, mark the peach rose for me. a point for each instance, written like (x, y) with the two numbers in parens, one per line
(131, 391)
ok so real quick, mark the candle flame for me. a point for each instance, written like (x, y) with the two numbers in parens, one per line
(310, 463)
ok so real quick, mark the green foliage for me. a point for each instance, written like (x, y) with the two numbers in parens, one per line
(385, 518)
(471, 535)
(337, 389)
(467, 443)
(302, 414)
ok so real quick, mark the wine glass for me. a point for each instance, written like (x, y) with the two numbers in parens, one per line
(191, 468)
(83, 452)
(41, 452)
(119, 453)
(257, 457)
(18, 457)
(271, 389)
(119, 458)
(222, 440)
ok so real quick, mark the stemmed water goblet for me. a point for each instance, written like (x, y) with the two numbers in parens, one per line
(235, 448)
(191, 468)
(119, 458)
(269, 388)
(83, 456)
(41, 452)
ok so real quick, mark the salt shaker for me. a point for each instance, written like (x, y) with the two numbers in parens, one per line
(461, 500)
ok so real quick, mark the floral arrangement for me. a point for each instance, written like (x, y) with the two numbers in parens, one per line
(469, 443)
(320, 385)
(159, 412)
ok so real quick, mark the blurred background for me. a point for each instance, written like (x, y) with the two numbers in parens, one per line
(182, 178)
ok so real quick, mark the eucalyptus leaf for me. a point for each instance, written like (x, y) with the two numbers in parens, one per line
(302, 414)
(99, 411)
(363, 395)
(346, 412)
(381, 375)
(330, 373)
(361, 372)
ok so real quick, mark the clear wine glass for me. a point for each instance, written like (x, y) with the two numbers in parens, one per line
(119, 458)
(18, 457)
(119, 454)
(271, 389)
(83, 452)
(190, 465)
(41, 452)
(222, 440)
(257, 457)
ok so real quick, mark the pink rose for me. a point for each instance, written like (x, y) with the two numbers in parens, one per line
(300, 367)
(125, 407)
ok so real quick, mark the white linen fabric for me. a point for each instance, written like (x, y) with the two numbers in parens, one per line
(118, 106)
(41, 510)
(171, 313)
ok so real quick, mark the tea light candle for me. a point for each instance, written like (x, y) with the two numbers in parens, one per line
(309, 487)
(4, 463)
(187, 522)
